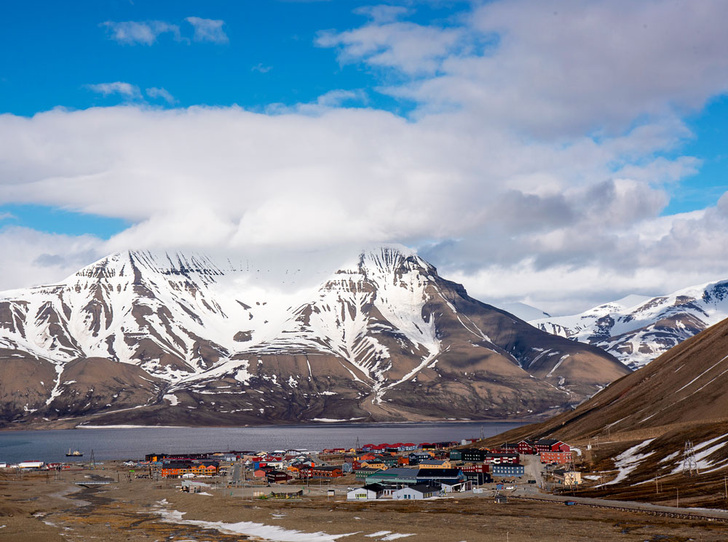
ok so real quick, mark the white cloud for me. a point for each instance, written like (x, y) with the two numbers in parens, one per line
(127, 90)
(41, 258)
(412, 48)
(140, 32)
(260, 68)
(162, 93)
(208, 30)
(540, 157)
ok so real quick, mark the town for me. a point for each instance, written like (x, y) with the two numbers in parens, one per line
(410, 471)
(396, 470)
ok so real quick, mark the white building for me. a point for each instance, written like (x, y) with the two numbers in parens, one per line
(369, 492)
(418, 492)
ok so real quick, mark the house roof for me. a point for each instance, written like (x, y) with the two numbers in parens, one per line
(439, 473)
(547, 442)
(423, 488)
(374, 487)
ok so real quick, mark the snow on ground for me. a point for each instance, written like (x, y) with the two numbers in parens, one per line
(702, 452)
(628, 461)
(387, 535)
(249, 528)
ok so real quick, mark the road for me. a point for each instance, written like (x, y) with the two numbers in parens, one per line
(671, 511)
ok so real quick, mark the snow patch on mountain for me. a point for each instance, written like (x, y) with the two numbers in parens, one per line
(637, 329)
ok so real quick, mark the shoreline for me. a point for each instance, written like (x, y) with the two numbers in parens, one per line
(344, 423)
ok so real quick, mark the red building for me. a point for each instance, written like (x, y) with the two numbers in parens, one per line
(495, 458)
(550, 445)
(560, 458)
(526, 447)
(327, 472)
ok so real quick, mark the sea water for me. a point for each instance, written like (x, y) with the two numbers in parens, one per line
(135, 442)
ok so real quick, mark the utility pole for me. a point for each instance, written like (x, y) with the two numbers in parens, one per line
(690, 465)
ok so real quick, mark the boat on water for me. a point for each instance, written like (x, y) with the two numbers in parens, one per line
(74, 453)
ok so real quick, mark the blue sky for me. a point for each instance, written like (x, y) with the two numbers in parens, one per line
(558, 153)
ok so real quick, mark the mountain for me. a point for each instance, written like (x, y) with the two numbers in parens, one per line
(523, 311)
(156, 338)
(655, 424)
(637, 329)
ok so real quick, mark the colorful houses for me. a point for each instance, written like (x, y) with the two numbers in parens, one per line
(178, 468)
(327, 472)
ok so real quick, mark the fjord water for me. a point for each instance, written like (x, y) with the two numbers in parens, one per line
(136, 442)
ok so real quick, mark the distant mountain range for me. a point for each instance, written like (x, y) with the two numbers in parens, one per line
(637, 329)
(156, 338)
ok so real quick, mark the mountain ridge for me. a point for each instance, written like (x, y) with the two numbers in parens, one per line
(639, 332)
(383, 337)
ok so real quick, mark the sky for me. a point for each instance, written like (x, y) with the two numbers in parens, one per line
(558, 153)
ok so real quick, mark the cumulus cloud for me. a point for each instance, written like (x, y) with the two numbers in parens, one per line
(389, 43)
(541, 154)
(209, 30)
(41, 258)
(140, 32)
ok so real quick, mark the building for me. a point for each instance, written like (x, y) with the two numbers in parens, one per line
(572, 478)
(369, 492)
(560, 458)
(416, 492)
(277, 477)
(507, 470)
(501, 458)
(526, 447)
(327, 472)
(477, 474)
(364, 472)
(31, 465)
(395, 477)
(434, 464)
(550, 445)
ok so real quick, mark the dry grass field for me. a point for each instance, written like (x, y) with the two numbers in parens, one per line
(40, 507)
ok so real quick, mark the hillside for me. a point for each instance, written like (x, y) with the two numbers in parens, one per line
(643, 426)
(164, 338)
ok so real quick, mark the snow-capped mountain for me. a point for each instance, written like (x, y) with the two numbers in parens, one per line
(637, 329)
(162, 338)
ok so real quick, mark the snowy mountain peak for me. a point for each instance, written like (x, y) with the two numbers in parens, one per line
(636, 329)
(383, 329)
(393, 261)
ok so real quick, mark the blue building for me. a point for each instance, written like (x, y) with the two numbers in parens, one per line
(507, 470)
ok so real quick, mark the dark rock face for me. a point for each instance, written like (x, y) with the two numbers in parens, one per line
(186, 341)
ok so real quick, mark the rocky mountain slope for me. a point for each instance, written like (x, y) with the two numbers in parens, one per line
(637, 329)
(661, 422)
(177, 339)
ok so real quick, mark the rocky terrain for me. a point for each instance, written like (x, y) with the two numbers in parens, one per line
(149, 338)
(663, 428)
